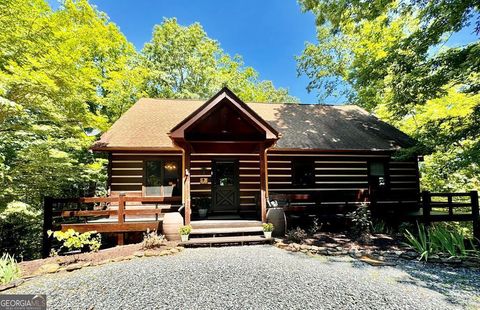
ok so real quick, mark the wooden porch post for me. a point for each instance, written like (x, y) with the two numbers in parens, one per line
(186, 184)
(121, 218)
(263, 183)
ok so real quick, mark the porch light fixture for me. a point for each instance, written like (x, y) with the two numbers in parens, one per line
(170, 166)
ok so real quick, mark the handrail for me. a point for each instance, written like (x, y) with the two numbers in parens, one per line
(474, 215)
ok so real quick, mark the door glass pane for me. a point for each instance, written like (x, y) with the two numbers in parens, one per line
(224, 174)
(377, 169)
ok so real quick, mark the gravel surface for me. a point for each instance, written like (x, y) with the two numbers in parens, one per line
(257, 277)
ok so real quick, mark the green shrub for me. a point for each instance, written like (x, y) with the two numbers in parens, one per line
(296, 235)
(267, 227)
(152, 240)
(361, 223)
(9, 269)
(71, 240)
(185, 230)
(440, 239)
(21, 231)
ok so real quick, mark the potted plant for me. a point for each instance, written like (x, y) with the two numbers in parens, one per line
(267, 230)
(185, 232)
(203, 205)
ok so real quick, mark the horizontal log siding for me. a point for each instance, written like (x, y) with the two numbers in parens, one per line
(404, 183)
(127, 174)
(341, 177)
(249, 177)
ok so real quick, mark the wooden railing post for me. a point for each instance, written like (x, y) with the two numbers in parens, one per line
(475, 214)
(186, 186)
(47, 225)
(426, 206)
(263, 183)
(121, 216)
(450, 204)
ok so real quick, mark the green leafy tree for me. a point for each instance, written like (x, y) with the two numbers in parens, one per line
(390, 57)
(183, 62)
(54, 69)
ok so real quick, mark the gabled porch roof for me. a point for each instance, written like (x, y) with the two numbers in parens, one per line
(239, 112)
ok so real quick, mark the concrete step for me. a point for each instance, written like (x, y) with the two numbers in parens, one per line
(226, 240)
(226, 230)
(224, 224)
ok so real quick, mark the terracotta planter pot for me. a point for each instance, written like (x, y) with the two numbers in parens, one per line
(171, 223)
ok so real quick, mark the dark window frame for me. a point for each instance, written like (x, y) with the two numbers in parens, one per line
(162, 175)
(305, 163)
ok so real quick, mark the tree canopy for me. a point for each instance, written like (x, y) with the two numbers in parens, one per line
(392, 58)
(66, 75)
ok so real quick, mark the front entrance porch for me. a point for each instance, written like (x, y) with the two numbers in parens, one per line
(224, 145)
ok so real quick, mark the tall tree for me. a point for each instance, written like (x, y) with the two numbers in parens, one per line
(53, 67)
(183, 62)
(390, 57)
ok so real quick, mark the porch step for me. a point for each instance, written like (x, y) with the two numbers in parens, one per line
(227, 240)
(207, 224)
(226, 230)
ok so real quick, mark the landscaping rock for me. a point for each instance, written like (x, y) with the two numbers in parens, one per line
(150, 253)
(164, 252)
(180, 248)
(106, 261)
(409, 255)
(49, 268)
(138, 253)
(174, 250)
(73, 267)
(6, 287)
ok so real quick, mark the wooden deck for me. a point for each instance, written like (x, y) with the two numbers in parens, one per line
(123, 214)
(116, 214)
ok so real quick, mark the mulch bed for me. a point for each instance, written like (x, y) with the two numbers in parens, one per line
(378, 242)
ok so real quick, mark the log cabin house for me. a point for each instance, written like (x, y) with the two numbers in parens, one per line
(318, 158)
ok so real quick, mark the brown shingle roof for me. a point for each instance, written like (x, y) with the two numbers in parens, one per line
(347, 127)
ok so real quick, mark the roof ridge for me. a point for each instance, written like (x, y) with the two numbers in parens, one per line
(255, 102)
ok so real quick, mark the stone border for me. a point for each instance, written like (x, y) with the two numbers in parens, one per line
(383, 256)
(51, 268)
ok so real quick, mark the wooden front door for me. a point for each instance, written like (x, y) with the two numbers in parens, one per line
(225, 185)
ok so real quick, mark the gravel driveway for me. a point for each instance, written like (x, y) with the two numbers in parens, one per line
(257, 277)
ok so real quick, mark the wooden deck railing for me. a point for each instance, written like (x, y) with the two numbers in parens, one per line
(443, 207)
(75, 213)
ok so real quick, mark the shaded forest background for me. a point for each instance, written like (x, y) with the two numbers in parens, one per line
(67, 75)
